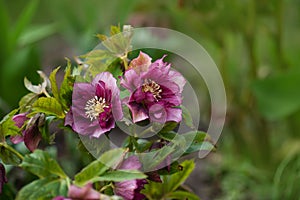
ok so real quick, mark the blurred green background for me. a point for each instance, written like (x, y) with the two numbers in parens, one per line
(255, 44)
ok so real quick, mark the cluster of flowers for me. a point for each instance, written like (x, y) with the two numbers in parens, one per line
(155, 91)
(155, 94)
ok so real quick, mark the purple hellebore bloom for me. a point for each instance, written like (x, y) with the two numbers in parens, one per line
(95, 106)
(3, 178)
(130, 190)
(85, 193)
(155, 90)
(31, 134)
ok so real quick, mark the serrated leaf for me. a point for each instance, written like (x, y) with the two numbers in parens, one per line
(53, 82)
(8, 127)
(170, 183)
(42, 164)
(48, 105)
(121, 175)
(187, 117)
(91, 171)
(175, 180)
(26, 101)
(183, 195)
(44, 189)
(66, 87)
(9, 155)
(98, 60)
(98, 167)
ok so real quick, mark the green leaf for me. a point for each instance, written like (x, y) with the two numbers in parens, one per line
(169, 126)
(91, 171)
(175, 180)
(66, 87)
(42, 164)
(187, 117)
(195, 139)
(154, 158)
(278, 96)
(115, 69)
(9, 155)
(143, 145)
(183, 195)
(26, 101)
(96, 59)
(174, 168)
(98, 167)
(44, 189)
(124, 93)
(199, 140)
(45, 131)
(53, 82)
(170, 183)
(202, 146)
(48, 105)
(8, 127)
(112, 157)
(169, 136)
(121, 175)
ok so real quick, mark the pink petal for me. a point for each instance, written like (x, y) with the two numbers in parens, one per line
(17, 139)
(139, 113)
(86, 192)
(174, 114)
(131, 162)
(141, 63)
(20, 119)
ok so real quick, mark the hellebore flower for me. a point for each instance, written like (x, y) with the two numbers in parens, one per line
(130, 190)
(95, 106)
(3, 178)
(155, 90)
(31, 134)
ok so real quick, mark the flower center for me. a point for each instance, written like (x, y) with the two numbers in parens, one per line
(154, 88)
(94, 107)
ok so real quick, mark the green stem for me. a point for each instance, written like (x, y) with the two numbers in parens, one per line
(124, 59)
(46, 93)
(106, 186)
(12, 150)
